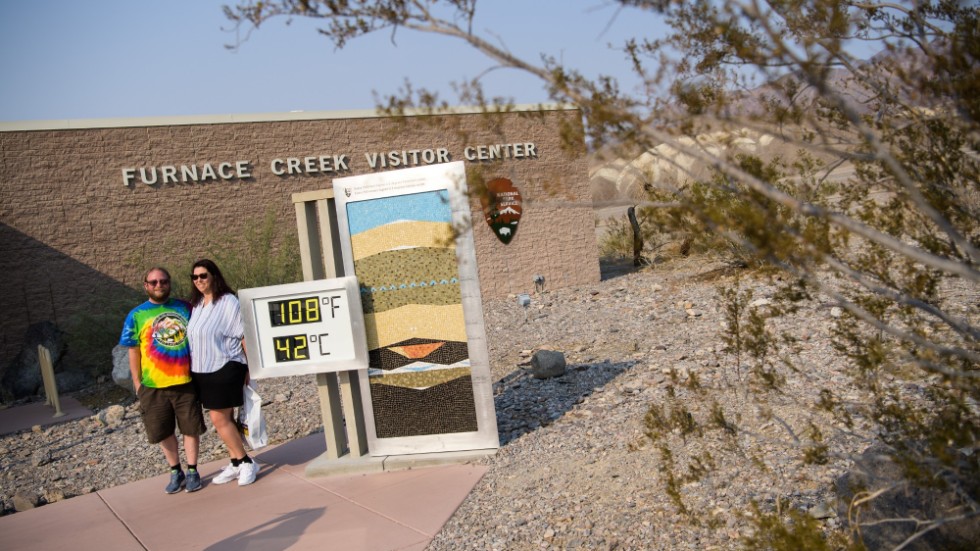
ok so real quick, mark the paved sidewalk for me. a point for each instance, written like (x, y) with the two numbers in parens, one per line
(20, 418)
(283, 509)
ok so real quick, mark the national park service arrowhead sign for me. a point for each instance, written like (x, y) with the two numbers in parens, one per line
(502, 208)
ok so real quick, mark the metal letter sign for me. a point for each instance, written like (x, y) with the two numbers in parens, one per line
(406, 236)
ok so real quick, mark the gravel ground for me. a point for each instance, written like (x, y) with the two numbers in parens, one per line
(577, 472)
(575, 469)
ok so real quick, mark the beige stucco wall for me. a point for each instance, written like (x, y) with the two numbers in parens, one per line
(69, 227)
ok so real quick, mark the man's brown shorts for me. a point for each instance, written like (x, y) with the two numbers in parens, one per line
(164, 409)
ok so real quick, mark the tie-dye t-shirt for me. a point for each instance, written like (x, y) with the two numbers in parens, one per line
(160, 332)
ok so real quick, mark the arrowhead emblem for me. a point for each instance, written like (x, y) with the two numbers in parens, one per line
(502, 208)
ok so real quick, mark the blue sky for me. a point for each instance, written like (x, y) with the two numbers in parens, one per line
(75, 59)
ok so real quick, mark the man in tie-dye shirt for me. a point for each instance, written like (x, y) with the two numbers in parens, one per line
(160, 364)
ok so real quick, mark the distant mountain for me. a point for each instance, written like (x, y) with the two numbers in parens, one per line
(618, 177)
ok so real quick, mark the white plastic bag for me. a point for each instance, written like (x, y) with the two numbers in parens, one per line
(251, 422)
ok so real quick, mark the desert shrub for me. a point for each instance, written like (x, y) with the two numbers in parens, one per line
(616, 241)
(265, 256)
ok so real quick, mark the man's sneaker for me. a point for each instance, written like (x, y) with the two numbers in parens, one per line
(193, 482)
(247, 473)
(176, 481)
(229, 473)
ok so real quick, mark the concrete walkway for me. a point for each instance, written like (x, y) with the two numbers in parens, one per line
(283, 509)
(23, 417)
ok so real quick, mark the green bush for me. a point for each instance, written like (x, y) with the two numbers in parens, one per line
(266, 257)
(616, 241)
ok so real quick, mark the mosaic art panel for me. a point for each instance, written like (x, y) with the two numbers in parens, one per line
(405, 261)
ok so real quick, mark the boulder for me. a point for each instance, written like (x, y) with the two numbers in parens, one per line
(547, 363)
(72, 380)
(54, 496)
(24, 502)
(22, 377)
(120, 368)
(40, 457)
(112, 416)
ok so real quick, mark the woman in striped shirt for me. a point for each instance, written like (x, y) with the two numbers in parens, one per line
(218, 364)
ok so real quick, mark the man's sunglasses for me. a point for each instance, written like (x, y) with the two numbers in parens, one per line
(195, 277)
(155, 282)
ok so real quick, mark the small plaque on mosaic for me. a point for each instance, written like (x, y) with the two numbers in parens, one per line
(502, 208)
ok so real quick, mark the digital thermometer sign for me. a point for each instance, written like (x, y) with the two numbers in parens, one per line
(299, 328)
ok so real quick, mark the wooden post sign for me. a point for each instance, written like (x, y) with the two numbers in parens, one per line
(502, 208)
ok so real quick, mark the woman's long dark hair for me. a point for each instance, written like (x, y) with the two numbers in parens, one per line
(219, 286)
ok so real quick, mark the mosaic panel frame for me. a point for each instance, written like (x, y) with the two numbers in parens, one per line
(407, 237)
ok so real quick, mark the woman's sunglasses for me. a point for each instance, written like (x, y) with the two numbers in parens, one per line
(195, 277)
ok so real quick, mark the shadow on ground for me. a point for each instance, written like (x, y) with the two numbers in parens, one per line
(524, 404)
(613, 268)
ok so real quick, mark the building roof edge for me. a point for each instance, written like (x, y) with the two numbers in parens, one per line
(128, 122)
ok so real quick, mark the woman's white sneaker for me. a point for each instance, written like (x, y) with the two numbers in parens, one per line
(229, 473)
(247, 473)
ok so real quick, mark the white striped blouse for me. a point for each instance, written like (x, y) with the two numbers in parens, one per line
(215, 333)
